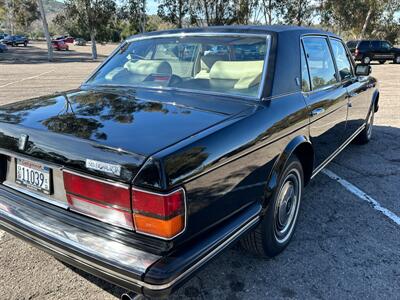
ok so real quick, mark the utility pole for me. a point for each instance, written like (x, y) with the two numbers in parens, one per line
(46, 31)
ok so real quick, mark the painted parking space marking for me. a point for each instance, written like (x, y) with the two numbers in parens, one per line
(363, 196)
(27, 78)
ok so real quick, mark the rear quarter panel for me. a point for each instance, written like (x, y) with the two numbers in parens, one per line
(228, 169)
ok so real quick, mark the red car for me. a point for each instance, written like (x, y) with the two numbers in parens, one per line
(66, 39)
(59, 45)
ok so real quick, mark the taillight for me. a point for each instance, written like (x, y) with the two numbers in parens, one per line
(356, 52)
(158, 214)
(107, 202)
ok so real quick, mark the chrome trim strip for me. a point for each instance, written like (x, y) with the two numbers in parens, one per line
(247, 225)
(35, 195)
(267, 36)
(338, 150)
(161, 194)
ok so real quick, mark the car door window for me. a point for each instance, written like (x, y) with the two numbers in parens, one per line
(342, 60)
(375, 45)
(320, 62)
(386, 46)
(305, 78)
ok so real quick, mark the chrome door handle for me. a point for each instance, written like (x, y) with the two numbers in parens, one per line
(317, 111)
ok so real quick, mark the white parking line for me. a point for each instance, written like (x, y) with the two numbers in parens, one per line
(363, 196)
(27, 78)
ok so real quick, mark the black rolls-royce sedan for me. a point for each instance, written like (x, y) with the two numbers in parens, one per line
(181, 143)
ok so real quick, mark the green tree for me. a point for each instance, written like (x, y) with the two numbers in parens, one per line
(296, 12)
(87, 17)
(23, 13)
(173, 11)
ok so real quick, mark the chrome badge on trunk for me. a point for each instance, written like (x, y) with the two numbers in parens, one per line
(103, 167)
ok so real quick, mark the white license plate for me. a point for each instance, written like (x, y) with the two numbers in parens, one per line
(33, 175)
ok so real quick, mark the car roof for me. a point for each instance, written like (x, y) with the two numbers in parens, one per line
(264, 29)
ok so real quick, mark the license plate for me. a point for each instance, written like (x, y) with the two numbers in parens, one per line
(33, 175)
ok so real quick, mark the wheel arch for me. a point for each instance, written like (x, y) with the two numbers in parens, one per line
(303, 149)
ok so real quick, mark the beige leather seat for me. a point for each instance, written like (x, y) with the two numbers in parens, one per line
(242, 74)
(206, 63)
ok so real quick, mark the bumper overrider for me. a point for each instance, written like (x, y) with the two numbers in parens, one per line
(116, 261)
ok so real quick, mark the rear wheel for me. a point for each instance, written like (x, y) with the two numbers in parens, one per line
(382, 62)
(397, 59)
(366, 60)
(276, 229)
(25, 44)
(366, 134)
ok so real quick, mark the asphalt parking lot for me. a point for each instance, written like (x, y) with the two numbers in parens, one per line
(344, 246)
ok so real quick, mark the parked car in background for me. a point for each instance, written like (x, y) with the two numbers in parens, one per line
(352, 45)
(2, 36)
(15, 40)
(167, 155)
(59, 45)
(66, 39)
(80, 42)
(3, 48)
(375, 50)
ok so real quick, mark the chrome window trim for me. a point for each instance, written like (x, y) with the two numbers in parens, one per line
(266, 36)
(326, 37)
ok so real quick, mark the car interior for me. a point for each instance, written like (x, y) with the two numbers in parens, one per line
(233, 66)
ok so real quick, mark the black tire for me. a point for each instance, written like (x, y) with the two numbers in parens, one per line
(396, 60)
(366, 134)
(268, 239)
(25, 44)
(382, 62)
(366, 60)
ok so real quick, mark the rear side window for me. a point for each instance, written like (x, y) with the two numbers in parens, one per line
(342, 60)
(320, 62)
(363, 45)
(375, 45)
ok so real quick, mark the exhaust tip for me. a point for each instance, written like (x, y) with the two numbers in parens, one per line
(127, 296)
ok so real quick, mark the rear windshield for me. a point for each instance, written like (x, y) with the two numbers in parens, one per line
(221, 64)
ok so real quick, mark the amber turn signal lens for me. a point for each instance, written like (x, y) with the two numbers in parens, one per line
(158, 227)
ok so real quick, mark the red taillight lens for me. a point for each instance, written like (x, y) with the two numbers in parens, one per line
(107, 202)
(155, 204)
(160, 215)
(97, 190)
(356, 52)
(157, 214)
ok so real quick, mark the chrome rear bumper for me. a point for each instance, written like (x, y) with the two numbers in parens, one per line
(112, 260)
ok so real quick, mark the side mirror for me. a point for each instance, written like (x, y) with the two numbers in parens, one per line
(363, 70)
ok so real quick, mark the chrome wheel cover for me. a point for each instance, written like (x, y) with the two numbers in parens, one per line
(367, 60)
(370, 124)
(287, 206)
(398, 60)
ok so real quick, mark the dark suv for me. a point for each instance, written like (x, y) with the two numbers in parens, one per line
(382, 51)
(15, 40)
